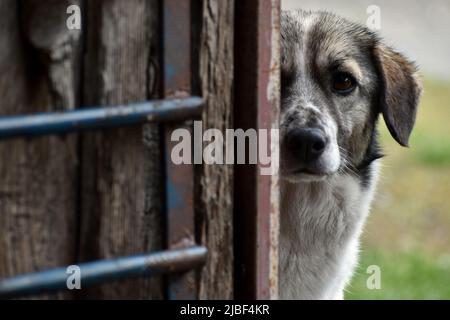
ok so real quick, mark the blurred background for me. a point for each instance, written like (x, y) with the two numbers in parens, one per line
(408, 232)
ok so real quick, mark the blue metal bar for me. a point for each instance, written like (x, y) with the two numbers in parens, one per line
(171, 261)
(94, 118)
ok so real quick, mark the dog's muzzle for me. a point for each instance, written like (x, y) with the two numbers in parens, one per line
(307, 148)
(307, 144)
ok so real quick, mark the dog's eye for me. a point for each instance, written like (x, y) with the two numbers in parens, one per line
(343, 83)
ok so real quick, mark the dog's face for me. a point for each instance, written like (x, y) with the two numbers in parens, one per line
(336, 77)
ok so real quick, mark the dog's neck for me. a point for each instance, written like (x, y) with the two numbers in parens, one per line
(320, 226)
(328, 209)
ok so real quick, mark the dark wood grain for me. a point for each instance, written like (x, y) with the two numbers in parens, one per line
(215, 182)
(39, 177)
(121, 189)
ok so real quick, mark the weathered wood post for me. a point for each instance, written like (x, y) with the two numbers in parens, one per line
(215, 182)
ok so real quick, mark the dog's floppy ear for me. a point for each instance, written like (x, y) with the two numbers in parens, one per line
(400, 91)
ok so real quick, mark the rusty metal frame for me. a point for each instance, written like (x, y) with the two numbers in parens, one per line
(256, 196)
(256, 215)
(182, 255)
(180, 218)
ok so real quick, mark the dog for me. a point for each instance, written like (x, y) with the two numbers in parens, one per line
(337, 77)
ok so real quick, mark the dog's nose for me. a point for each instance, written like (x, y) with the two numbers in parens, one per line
(307, 144)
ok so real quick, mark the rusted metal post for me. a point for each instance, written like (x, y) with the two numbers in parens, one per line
(179, 178)
(257, 106)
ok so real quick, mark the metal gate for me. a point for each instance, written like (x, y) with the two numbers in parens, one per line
(255, 202)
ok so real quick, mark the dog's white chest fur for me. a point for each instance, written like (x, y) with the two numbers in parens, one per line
(320, 227)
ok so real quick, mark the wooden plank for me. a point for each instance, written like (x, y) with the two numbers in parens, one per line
(121, 184)
(214, 183)
(38, 178)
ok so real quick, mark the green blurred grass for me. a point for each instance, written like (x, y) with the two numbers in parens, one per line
(405, 275)
(431, 151)
(408, 232)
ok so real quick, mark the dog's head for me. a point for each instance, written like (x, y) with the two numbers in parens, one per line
(336, 78)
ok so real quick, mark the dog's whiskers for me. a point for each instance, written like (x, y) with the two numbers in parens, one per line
(346, 165)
